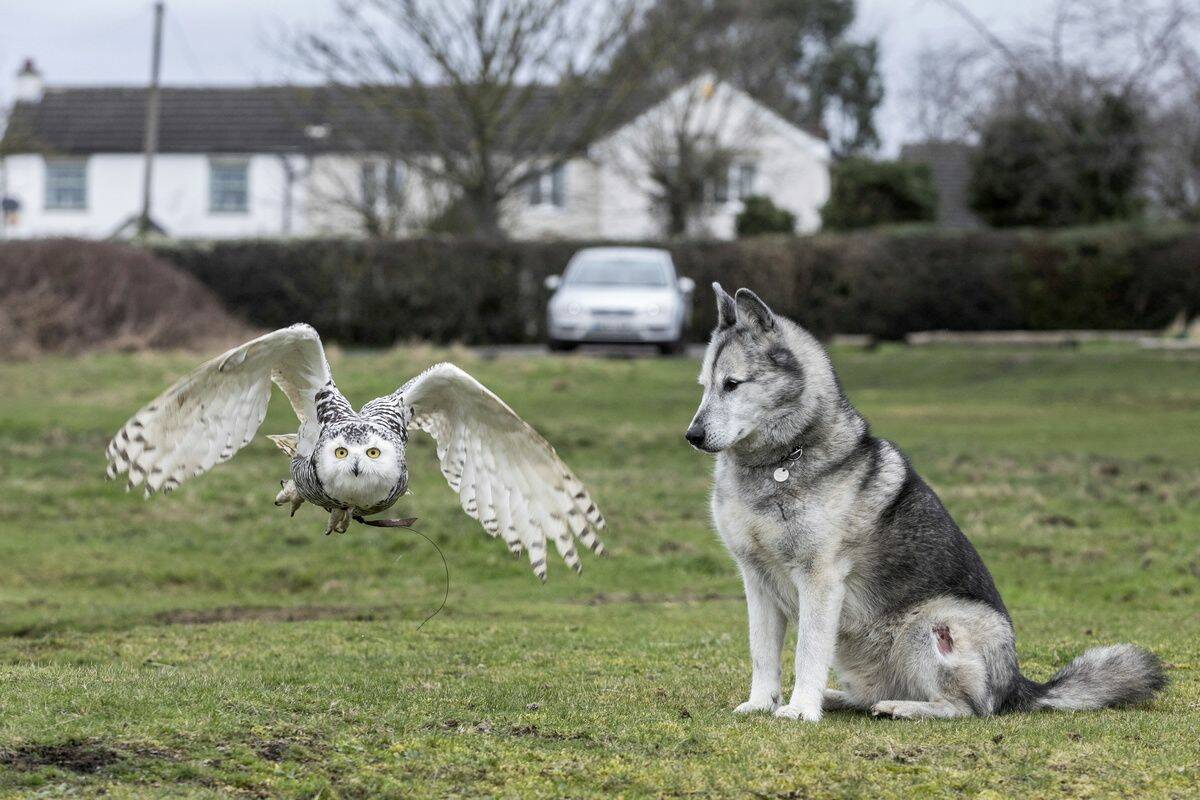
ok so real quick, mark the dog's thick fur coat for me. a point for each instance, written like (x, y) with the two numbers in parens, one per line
(833, 530)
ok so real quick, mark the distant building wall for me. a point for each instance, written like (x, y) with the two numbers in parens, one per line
(335, 202)
(950, 167)
(790, 166)
(180, 192)
(578, 216)
(300, 182)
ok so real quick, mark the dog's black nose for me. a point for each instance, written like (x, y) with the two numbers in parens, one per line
(695, 435)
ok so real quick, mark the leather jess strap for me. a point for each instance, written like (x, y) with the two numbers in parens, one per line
(407, 522)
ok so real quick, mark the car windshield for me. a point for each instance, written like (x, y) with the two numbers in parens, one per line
(617, 272)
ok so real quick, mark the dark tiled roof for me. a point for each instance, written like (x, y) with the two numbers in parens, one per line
(261, 120)
(112, 120)
(950, 165)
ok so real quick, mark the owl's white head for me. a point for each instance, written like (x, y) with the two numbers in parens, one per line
(360, 466)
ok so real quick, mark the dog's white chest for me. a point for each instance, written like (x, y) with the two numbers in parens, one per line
(769, 530)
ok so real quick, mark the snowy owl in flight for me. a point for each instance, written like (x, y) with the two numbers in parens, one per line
(353, 463)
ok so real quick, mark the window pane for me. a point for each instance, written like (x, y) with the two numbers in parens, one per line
(369, 181)
(558, 185)
(720, 188)
(535, 190)
(549, 187)
(66, 185)
(396, 177)
(745, 180)
(382, 184)
(228, 185)
(615, 271)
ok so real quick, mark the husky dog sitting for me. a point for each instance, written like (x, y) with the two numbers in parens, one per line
(833, 530)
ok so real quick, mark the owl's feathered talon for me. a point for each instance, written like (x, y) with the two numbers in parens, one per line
(289, 494)
(339, 521)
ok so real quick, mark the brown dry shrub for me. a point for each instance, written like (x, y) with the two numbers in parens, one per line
(70, 296)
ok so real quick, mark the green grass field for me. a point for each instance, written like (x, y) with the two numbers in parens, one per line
(205, 644)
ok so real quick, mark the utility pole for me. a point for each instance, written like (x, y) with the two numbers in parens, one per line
(4, 201)
(145, 224)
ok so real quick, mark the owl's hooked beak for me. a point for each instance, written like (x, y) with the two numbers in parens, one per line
(354, 469)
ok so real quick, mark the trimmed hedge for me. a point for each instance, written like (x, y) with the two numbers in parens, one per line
(881, 283)
(867, 193)
(759, 216)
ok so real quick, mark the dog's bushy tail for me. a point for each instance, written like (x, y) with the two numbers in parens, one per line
(1116, 675)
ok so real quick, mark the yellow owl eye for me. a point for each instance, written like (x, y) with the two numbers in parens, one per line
(341, 452)
(373, 452)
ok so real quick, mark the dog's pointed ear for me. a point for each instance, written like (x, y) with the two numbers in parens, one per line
(752, 313)
(726, 309)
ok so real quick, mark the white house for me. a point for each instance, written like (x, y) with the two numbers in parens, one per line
(251, 162)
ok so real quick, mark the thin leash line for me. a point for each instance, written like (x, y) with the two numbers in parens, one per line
(407, 525)
(445, 568)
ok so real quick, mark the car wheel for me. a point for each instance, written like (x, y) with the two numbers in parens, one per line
(559, 346)
(671, 348)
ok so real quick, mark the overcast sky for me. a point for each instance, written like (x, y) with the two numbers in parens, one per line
(235, 41)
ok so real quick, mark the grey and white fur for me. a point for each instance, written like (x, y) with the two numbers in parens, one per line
(833, 531)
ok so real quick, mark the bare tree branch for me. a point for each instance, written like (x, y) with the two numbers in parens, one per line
(1098, 65)
(680, 153)
(943, 95)
(481, 95)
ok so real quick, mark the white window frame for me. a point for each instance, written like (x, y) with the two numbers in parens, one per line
(380, 182)
(740, 185)
(215, 164)
(51, 201)
(548, 188)
(732, 188)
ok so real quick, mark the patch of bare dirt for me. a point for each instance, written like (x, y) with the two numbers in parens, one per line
(900, 754)
(603, 599)
(281, 749)
(1058, 520)
(207, 616)
(82, 756)
(529, 730)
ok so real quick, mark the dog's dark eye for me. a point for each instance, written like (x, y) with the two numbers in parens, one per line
(731, 384)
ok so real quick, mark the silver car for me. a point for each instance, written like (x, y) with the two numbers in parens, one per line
(619, 294)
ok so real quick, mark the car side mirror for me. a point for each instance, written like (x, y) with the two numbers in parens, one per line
(687, 285)
(553, 282)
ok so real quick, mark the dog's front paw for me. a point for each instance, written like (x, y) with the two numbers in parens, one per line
(804, 711)
(753, 706)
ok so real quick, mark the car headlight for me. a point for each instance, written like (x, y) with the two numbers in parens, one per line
(573, 309)
(654, 310)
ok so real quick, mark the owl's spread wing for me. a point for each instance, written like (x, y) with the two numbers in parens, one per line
(507, 476)
(210, 414)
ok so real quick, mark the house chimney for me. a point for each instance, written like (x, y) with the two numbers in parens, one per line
(29, 83)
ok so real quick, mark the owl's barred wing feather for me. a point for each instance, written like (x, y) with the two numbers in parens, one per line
(213, 412)
(506, 475)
